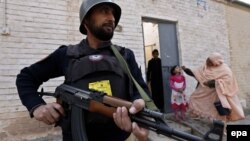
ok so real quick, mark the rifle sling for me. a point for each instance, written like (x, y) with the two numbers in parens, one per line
(148, 101)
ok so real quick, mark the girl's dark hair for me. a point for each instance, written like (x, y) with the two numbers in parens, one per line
(172, 70)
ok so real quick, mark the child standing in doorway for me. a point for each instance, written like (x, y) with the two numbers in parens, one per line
(178, 97)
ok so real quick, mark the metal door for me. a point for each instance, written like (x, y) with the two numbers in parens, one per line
(169, 56)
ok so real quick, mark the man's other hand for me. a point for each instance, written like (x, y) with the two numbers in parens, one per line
(49, 113)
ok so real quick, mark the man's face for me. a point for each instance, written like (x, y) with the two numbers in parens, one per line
(155, 55)
(101, 22)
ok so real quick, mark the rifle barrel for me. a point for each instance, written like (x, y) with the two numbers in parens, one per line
(165, 130)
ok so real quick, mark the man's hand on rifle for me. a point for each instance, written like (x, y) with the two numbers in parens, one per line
(123, 121)
(49, 113)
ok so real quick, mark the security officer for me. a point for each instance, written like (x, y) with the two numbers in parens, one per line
(76, 62)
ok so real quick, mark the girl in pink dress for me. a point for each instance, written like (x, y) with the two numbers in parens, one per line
(178, 97)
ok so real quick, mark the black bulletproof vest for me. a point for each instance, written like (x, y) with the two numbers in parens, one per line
(101, 66)
(96, 68)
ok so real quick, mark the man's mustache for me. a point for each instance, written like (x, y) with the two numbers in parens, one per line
(110, 24)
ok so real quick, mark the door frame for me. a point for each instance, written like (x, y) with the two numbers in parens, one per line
(157, 21)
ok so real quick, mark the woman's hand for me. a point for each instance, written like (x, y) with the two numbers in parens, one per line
(183, 67)
(123, 121)
(205, 83)
(210, 83)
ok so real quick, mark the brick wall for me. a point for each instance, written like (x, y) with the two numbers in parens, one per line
(40, 26)
(238, 18)
(37, 28)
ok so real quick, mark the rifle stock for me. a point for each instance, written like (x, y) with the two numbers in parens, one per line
(98, 102)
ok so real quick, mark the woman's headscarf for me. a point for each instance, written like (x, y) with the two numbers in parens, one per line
(216, 59)
(220, 72)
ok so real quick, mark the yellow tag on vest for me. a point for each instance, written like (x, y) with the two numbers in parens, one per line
(101, 86)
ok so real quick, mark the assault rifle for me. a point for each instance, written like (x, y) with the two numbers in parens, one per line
(99, 102)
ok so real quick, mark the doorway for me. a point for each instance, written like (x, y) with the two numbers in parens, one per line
(162, 35)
